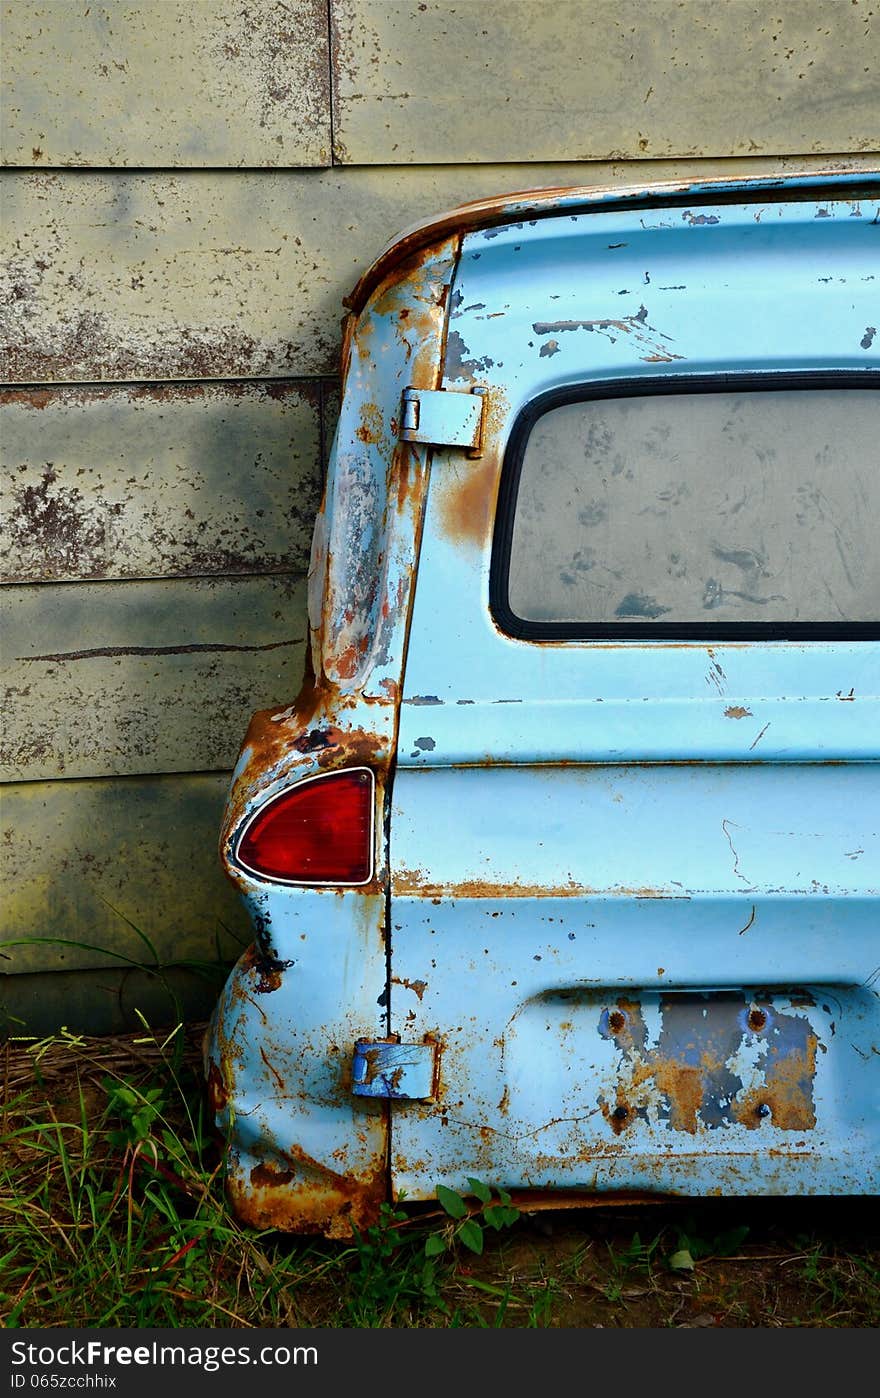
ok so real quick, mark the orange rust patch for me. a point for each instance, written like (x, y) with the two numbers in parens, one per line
(417, 987)
(306, 1196)
(372, 427)
(737, 711)
(468, 492)
(467, 501)
(786, 1092)
(411, 478)
(413, 883)
(682, 1084)
(356, 748)
(30, 397)
(279, 1081)
(346, 664)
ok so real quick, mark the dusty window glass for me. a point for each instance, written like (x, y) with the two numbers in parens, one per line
(701, 508)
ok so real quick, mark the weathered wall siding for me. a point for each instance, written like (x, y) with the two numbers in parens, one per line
(158, 480)
(82, 857)
(206, 275)
(217, 82)
(524, 80)
(167, 320)
(109, 679)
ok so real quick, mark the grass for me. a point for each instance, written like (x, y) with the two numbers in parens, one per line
(112, 1213)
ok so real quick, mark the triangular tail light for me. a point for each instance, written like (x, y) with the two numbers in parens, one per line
(320, 831)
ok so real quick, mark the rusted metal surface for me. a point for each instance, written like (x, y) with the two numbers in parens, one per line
(134, 276)
(87, 862)
(664, 874)
(716, 1062)
(219, 83)
(299, 1158)
(634, 183)
(637, 257)
(633, 977)
(303, 1155)
(159, 480)
(599, 80)
(124, 679)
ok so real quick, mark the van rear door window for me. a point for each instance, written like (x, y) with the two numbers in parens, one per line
(747, 512)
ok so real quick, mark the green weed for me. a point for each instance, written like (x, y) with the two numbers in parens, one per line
(112, 1213)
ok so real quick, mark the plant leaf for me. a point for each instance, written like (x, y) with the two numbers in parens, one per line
(434, 1245)
(451, 1202)
(480, 1191)
(681, 1261)
(471, 1234)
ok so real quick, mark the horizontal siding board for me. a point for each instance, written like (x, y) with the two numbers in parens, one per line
(131, 678)
(91, 861)
(120, 277)
(158, 480)
(217, 83)
(523, 80)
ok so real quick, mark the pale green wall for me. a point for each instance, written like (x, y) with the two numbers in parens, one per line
(190, 191)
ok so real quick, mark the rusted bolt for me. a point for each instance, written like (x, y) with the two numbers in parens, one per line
(616, 1022)
(620, 1113)
(757, 1019)
(762, 1110)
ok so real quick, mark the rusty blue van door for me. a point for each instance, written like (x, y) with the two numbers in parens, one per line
(595, 629)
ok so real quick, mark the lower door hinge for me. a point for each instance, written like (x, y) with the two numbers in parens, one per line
(388, 1068)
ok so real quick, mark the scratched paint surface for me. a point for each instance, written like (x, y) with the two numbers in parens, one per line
(111, 679)
(159, 480)
(600, 79)
(719, 286)
(634, 975)
(305, 1153)
(218, 83)
(200, 275)
(601, 951)
(651, 905)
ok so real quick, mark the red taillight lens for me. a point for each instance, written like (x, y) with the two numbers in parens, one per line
(320, 831)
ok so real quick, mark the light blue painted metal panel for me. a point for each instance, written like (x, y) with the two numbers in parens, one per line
(727, 289)
(711, 857)
(625, 895)
(549, 899)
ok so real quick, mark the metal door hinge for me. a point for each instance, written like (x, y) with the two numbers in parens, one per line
(388, 1068)
(443, 417)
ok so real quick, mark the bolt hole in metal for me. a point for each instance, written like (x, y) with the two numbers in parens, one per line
(757, 1020)
(762, 1110)
(620, 1113)
(616, 1022)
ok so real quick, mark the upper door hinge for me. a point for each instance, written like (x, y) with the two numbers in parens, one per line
(442, 417)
